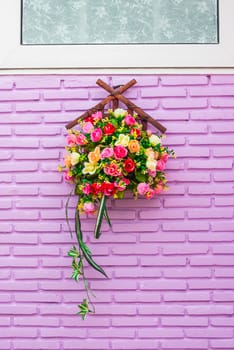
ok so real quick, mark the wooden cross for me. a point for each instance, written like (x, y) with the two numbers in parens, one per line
(116, 96)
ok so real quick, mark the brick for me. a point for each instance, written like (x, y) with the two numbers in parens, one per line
(54, 154)
(220, 128)
(38, 107)
(183, 249)
(224, 201)
(163, 92)
(199, 152)
(40, 227)
(17, 310)
(224, 102)
(184, 103)
(38, 203)
(210, 164)
(223, 296)
(211, 91)
(38, 178)
(184, 321)
(37, 82)
(162, 214)
(19, 143)
(211, 284)
(161, 310)
(5, 107)
(84, 81)
(37, 298)
(163, 285)
(116, 333)
(208, 333)
(221, 226)
(65, 94)
(18, 167)
(19, 96)
(146, 297)
(212, 260)
(88, 344)
(185, 344)
(5, 321)
(62, 333)
(211, 140)
(160, 333)
(222, 344)
(19, 215)
(222, 79)
(209, 310)
(5, 345)
(187, 226)
(36, 345)
(143, 249)
(223, 249)
(140, 227)
(6, 131)
(18, 332)
(31, 130)
(212, 114)
(137, 272)
(165, 237)
(134, 344)
(187, 202)
(39, 250)
(189, 177)
(184, 80)
(185, 296)
(36, 321)
(187, 273)
(222, 321)
(75, 105)
(163, 261)
(134, 321)
(211, 189)
(210, 213)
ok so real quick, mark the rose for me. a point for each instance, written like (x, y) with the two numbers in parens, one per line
(107, 153)
(119, 112)
(123, 140)
(122, 184)
(89, 168)
(89, 207)
(96, 135)
(67, 161)
(97, 115)
(129, 165)
(87, 189)
(108, 188)
(152, 172)
(97, 188)
(150, 153)
(164, 157)
(154, 140)
(112, 170)
(158, 189)
(71, 140)
(142, 188)
(134, 146)
(151, 164)
(109, 129)
(160, 165)
(149, 194)
(95, 155)
(81, 140)
(120, 152)
(88, 127)
(135, 133)
(68, 176)
(149, 132)
(75, 156)
(129, 120)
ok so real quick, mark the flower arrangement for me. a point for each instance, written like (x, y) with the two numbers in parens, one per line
(107, 155)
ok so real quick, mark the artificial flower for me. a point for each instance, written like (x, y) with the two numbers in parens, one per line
(160, 165)
(89, 207)
(134, 146)
(109, 129)
(71, 140)
(96, 135)
(107, 153)
(119, 112)
(129, 165)
(67, 161)
(112, 169)
(88, 127)
(151, 164)
(89, 168)
(129, 120)
(75, 156)
(154, 140)
(120, 152)
(142, 188)
(123, 140)
(81, 140)
(95, 155)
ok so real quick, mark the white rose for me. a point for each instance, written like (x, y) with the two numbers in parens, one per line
(154, 140)
(75, 158)
(120, 112)
(151, 164)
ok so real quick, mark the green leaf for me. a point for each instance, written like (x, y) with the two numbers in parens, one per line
(84, 309)
(102, 206)
(140, 177)
(73, 252)
(83, 247)
(107, 217)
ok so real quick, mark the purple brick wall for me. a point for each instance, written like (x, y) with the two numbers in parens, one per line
(170, 260)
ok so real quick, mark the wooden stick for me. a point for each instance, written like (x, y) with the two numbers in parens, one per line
(132, 106)
(117, 91)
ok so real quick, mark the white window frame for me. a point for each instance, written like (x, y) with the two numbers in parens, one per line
(13, 55)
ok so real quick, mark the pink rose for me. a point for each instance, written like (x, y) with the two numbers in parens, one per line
(149, 132)
(97, 115)
(96, 135)
(151, 173)
(164, 157)
(142, 188)
(120, 152)
(107, 153)
(149, 194)
(129, 120)
(160, 165)
(158, 189)
(112, 170)
(89, 208)
(87, 189)
(81, 140)
(71, 140)
(88, 127)
(122, 184)
(67, 177)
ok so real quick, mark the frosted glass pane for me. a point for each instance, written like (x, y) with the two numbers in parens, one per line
(119, 21)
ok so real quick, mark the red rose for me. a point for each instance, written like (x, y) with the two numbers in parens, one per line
(109, 129)
(129, 165)
(108, 188)
(135, 132)
(96, 188)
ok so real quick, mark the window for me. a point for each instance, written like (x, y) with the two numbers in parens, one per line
(116, 33)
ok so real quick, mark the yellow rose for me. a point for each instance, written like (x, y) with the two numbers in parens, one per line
(89, 168)
(95, 155)
(150, 153)
(151, 164)
(154, 140)
(123, 140)
(134, 146)
(75, 158)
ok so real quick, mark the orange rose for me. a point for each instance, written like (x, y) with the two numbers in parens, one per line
(94, 156)
(156, 154)
(67, 161)
(133, 146)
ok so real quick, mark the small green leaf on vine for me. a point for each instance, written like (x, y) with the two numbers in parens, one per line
(84, 309)
(73, 252)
